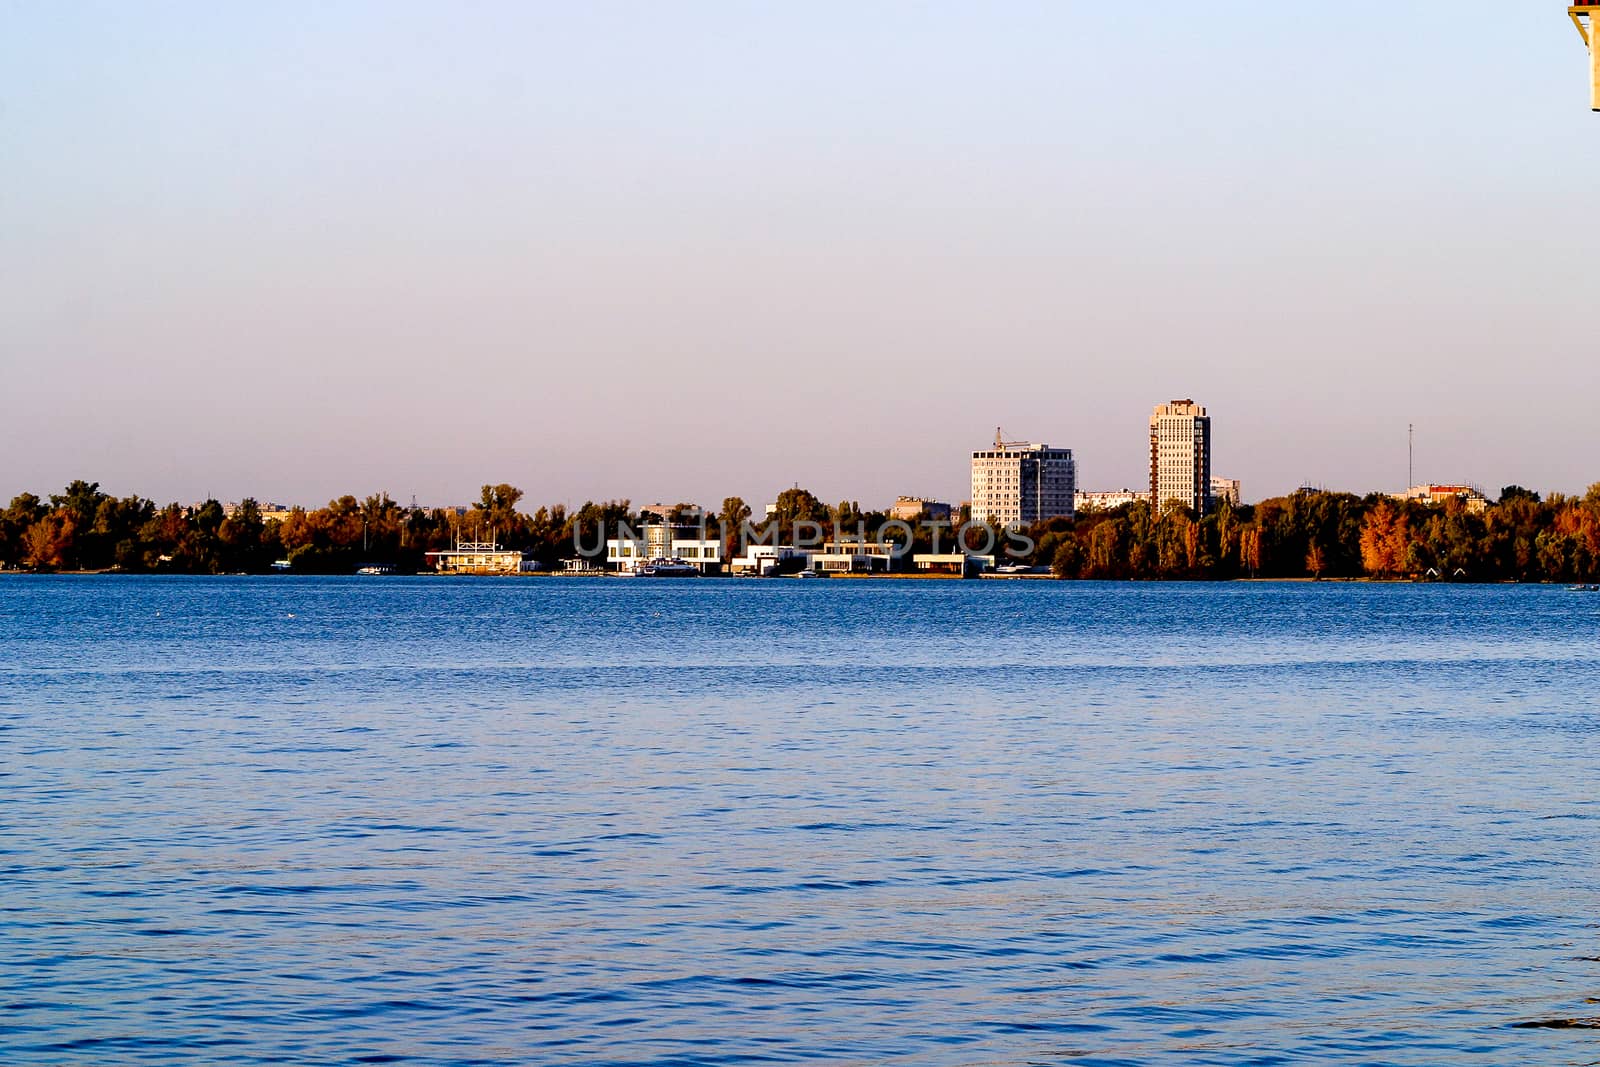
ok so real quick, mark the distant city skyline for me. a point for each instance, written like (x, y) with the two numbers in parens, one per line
(638, 251)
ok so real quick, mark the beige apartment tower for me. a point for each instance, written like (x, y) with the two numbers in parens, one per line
(1180, 456)
(1016, 483)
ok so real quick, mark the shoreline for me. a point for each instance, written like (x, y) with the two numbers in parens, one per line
(11, 572)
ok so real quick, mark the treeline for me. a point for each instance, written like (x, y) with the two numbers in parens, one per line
(84, 529)
(1336, 535)
(1306, 535)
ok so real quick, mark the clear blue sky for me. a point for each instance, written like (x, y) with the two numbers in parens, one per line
(676, 251)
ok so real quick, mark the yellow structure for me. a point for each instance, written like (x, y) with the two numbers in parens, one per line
(474, 557)
(1583, 14)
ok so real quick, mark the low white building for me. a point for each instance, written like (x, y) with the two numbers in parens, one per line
(852, 557)
(1108, 501)
(769, 559)
(966, 564)
(706, 554)
(625, 553)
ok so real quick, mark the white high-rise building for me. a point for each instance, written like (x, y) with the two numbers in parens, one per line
(1016, 483)
(1180, 456)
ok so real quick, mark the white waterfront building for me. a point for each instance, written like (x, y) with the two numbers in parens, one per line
(691, 544)
(770, 559)
(852, 557)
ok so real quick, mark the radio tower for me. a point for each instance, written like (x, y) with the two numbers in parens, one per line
(1583, 14)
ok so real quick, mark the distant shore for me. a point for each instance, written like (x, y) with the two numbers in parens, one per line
(14, 572)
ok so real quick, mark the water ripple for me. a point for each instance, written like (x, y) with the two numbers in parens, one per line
(729, 823)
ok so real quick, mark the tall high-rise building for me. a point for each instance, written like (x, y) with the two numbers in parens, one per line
(1180, 456)
(1016, 483)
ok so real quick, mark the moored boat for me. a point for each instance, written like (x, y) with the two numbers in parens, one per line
(668, 568)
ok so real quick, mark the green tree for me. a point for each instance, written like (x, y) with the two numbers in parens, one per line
(78, 505)
(82, 499)
(732, 516)
(589, 527)
(1067, 561)
(1515, 492)
(797, 505)
(242, 537)
(495, 516)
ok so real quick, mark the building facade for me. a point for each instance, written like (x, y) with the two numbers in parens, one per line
(477, 557)
(966, 564)
(912, 508)
(1434, 495)
(688, 544)
(1227, 489)
(1016, 483)
(1180, 456)
(766, 560)
(852, 557)
(1109, 500)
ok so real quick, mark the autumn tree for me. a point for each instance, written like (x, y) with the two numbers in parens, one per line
(48, 543)
(25, 510)
(1385, 538)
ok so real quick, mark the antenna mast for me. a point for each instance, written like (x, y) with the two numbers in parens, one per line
(1411, 456)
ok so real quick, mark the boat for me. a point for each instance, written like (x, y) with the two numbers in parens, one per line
(669, 568)
(376, 568)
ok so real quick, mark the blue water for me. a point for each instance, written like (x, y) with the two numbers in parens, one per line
(321, 821)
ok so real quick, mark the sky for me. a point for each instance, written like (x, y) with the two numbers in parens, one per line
(682, 251)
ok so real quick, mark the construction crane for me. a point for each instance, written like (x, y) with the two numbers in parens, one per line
(1583, 14)
(1002, 445)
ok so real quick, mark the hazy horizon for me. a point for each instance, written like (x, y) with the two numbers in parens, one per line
(626, 251)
